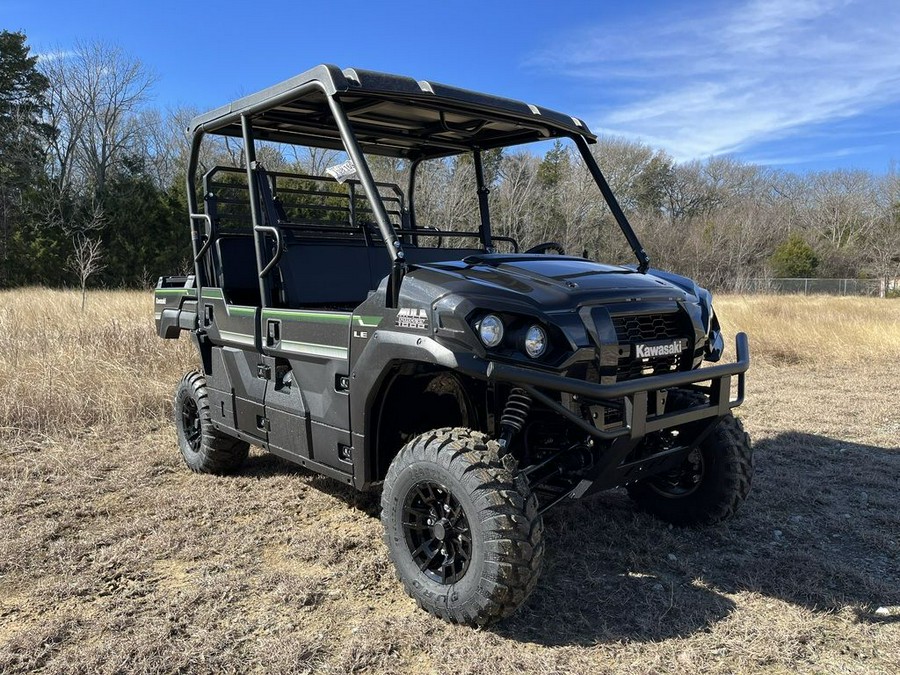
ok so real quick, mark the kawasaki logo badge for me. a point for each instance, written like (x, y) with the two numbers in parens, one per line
(409, 317)
(667, 348)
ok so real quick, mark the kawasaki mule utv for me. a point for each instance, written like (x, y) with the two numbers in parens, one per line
(479, 385)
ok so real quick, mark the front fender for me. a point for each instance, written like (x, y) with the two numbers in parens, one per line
(384, 350)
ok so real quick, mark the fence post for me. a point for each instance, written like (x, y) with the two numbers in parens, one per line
(806, 287)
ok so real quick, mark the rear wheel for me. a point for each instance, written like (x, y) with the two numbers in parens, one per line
(463, 533)
(204, 449)
(710, 484)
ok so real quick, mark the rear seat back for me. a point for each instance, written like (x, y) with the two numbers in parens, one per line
(322, 273)
(236, 269)
(315, 273)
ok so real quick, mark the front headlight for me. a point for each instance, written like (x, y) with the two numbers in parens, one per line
(535, 341)
(490, 330)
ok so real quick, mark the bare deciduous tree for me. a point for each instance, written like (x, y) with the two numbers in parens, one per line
(95, 95)
(883, 244)
(314, 160)
(512, 201)
(165, 142)
(86, 261)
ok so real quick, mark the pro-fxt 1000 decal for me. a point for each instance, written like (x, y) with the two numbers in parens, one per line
(410, 317)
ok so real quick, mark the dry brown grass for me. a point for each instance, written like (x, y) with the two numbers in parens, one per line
(816, 329)
(114, 558)
(64, 369)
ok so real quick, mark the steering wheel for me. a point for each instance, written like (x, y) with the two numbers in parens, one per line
(427, 231)
(547, 246)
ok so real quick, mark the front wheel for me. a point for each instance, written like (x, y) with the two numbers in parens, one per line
(710, 484)
(462, 531)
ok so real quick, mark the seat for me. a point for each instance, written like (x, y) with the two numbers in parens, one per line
(325, 274)
(236, 269)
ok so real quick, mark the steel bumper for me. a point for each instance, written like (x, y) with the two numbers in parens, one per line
(634, 393)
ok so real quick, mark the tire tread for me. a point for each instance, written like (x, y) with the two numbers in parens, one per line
(733, 449)
(219, 453)
(507, 509)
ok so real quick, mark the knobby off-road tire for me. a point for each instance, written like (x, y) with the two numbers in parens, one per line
(204, 449)
(712, 482)
(480, 555)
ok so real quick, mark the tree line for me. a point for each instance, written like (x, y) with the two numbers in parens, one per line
(92, 190)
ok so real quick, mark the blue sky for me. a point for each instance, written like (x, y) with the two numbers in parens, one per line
(798, 84)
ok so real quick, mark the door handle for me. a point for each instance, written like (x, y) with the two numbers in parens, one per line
(273, 332)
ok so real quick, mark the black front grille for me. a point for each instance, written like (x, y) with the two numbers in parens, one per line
(644, 328)
(649, 327)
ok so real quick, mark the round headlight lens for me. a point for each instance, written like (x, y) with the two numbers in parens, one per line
(535, 341)
(490, 330)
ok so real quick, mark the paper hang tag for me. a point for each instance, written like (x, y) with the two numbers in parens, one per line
(342, 172)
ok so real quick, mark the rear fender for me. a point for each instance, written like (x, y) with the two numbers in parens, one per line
(175, 306)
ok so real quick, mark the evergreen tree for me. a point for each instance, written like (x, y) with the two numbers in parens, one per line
(794, 258)
(23, 137)
(145, 234)
(553, 167)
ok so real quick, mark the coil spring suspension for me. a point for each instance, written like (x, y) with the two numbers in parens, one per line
(518, 405)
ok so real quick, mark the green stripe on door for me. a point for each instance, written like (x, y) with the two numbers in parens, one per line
(212, 293)
(240, 338)
(175, 291)
(367, 321)
(301, 315)
(313, 349)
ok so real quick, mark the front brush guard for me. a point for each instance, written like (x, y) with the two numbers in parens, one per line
(610, 471)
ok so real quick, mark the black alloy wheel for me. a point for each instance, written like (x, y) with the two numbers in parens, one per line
(711, 483)
(204, 448)
(462, 526)
(437, 532)
(190, 424)
(684, 480)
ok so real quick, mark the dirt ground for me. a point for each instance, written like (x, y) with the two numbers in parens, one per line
(115, 558)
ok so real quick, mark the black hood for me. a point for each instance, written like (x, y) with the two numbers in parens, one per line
(547, 282)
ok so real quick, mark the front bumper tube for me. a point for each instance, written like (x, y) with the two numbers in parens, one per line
(634, 393)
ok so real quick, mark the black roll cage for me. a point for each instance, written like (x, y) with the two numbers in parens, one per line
(292, 112)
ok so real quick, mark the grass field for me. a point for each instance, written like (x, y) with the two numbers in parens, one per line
(115, 558)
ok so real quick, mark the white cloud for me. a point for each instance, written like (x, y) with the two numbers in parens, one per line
(55, 55)
(780, 160)
(725, 81)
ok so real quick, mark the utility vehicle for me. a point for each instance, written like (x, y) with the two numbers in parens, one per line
(476, 384)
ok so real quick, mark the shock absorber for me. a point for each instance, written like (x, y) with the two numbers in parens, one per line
(515, 413)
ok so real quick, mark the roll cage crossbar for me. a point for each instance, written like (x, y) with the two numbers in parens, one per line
(363, 112)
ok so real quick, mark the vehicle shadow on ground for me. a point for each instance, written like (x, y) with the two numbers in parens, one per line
(819, 531)
(266, 465)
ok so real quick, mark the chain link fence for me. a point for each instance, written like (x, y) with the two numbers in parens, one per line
(870, 287)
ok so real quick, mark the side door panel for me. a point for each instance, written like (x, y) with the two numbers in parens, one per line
(228, 324)
(315, 344)
(287, 414)
(237, 389)
(249, 391)
(221, 396)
